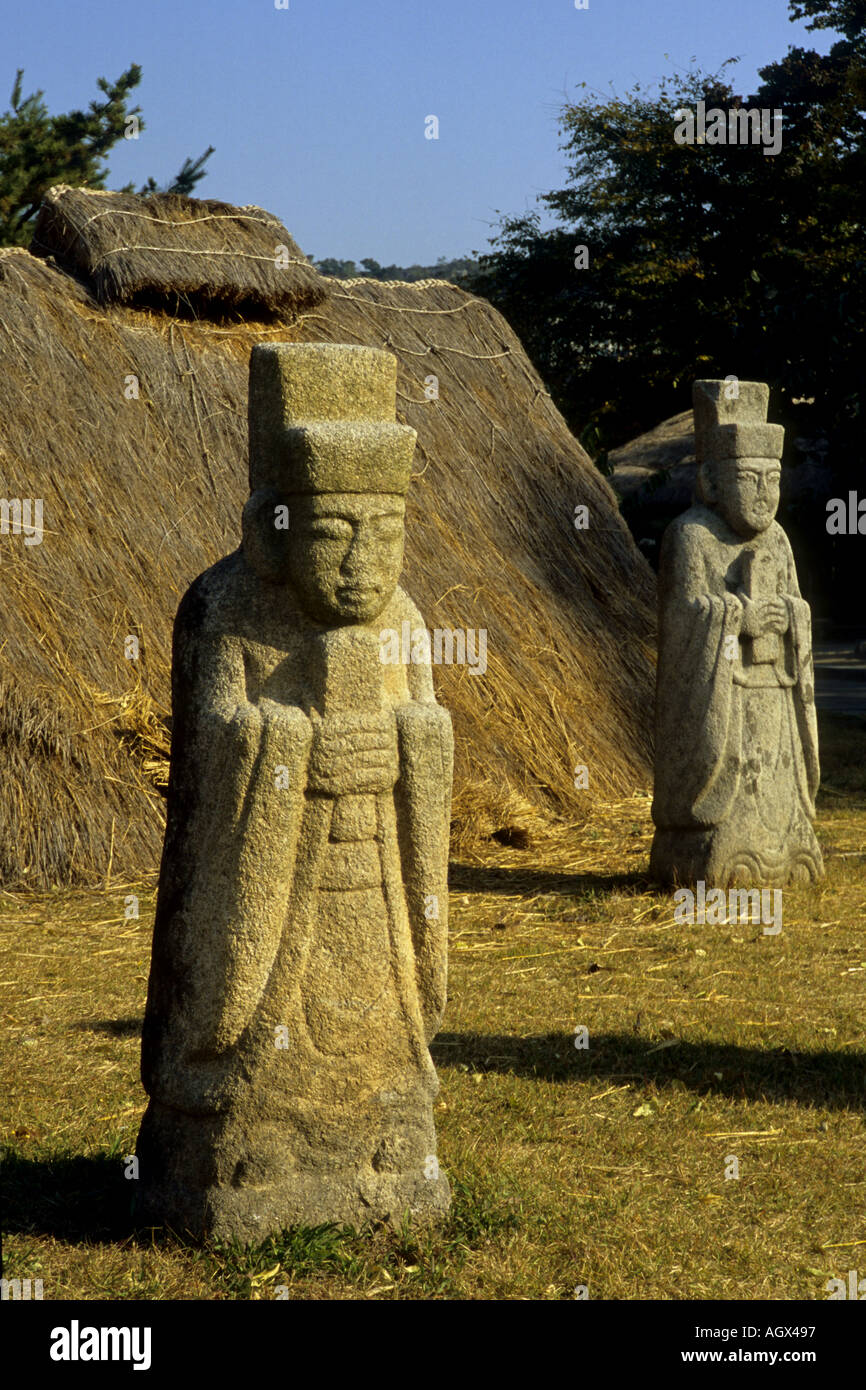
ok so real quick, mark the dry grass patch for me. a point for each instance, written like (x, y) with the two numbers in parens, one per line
(602, 1166)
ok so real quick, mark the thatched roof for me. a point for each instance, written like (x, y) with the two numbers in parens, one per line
(211, 255)
(140, 495)
(660, 464)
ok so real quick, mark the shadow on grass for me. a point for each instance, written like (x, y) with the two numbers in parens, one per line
(69, 1196)
(116, 1027)
(85, 1200)
(478, 878)
(829, 1080)
(75, 1198)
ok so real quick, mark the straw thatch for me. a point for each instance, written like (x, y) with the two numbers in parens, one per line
(658, 466)
(209, 255)
(141, 494)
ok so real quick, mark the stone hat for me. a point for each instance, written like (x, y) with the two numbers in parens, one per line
(322, 419)
(745, 442)
(729, 425)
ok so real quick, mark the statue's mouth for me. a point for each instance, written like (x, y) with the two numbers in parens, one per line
(357, 593)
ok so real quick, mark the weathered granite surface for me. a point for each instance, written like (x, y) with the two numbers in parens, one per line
(299, 955)
(736, 760)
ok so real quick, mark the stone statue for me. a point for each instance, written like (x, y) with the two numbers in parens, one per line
(299, 952)
(736, 754)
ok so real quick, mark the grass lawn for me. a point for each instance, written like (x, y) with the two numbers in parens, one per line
(609, 1166)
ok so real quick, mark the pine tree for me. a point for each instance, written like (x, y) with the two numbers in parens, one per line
(38, 150)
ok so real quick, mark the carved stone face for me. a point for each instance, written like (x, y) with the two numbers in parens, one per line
(747, 493)
(346, 554)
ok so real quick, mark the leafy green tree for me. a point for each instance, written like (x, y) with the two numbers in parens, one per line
(847, 17)
(38, 150)
(701, 259)
(457, 270)
(341, 270)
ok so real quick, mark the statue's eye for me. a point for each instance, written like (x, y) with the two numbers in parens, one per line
(388, 526)
(330, 529)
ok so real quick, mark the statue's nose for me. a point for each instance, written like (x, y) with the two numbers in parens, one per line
(353, 558)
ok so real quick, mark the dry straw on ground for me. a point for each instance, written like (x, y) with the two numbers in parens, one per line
(142, 493)
(606, 1166)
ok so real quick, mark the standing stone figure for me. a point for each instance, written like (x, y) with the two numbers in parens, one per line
(299, 952)
(736, 754)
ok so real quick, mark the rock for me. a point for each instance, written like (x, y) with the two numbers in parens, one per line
(736, 758)
(299, 954)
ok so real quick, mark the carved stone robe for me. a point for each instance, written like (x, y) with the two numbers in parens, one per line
(736, 754)
(299, 954)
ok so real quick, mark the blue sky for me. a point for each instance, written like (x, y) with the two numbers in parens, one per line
(317, 111)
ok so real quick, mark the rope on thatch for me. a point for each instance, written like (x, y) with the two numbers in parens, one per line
(406, 284)
(208, 255)
(372, 300)
(235, 215)
(265, 221)
(443, 347)
(190, 251)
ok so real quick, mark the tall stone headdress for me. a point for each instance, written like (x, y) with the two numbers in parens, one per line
(731, 422)
(322, 419)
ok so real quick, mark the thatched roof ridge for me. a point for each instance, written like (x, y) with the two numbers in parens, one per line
(398, 284)
(204, 253)
(140, 495)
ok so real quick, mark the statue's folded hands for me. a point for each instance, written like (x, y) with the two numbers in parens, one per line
(294, 720)
(354, 753)
(763, 615)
